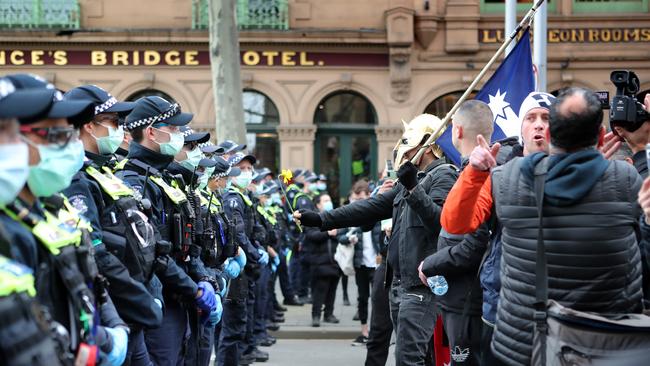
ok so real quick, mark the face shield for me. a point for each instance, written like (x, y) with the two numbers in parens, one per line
(415, 135)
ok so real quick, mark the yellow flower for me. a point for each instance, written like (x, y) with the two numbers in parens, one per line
(286, 175)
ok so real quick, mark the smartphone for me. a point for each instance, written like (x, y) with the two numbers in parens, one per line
(390, 171)
(647, 155)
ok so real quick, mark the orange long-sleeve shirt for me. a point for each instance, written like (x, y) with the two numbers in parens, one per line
(469, 203)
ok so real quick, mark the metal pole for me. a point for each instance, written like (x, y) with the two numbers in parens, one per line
(510, 20)
(434, 136)
(539, 46)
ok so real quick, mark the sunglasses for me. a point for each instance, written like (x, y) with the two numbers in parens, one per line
(60, 136)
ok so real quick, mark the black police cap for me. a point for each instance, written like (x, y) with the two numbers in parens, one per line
(153, 109)
(13, 102)
(102, 100)
(190, 135)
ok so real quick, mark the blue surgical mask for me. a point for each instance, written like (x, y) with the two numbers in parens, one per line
(313, 187)
(243, 179)
(14, 169)
(108, 145)
(193, 159)
(173, 146)
(203, 181)
(328, 206)
(55, 170)
(259, 189)
(209, 171)
(268, 202)
(275, 197)
(321, 186)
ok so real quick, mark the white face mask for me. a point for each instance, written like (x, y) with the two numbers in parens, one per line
(14, 170)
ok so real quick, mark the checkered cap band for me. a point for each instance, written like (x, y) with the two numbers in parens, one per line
(104, 106)
(223, 174)
(206, 144)
(188, 131)
(171, 112)
(6, 88)
(235, 159)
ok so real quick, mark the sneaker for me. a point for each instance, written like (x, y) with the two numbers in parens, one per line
(356, 316)
(331, 319)
(279, 308)
(293, 301)
(315, 321)
(246, 359)
(260, 356)
(360, 341)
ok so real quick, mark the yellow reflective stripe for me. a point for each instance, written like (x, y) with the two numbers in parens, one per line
(176, 195)
(55, 234)
(120, 165)
(111, 184)
(15, 278)
(247, 200)
(72, 218)
(266, 215)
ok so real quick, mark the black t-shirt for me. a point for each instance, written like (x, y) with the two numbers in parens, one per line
(393, 252)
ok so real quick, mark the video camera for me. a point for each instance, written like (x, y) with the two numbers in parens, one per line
(625, 110)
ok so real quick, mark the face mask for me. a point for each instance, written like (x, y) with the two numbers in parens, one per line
(259, 189)
(328, 206)
(14, 169)
(175, 144)
(322, 186)
(209, 171)
(203, 181)
(244, 179)
(108, 145)
(313, 188)
(228, 186)
(193, 159)
(55, 170)
(275, 198)
(268, 202)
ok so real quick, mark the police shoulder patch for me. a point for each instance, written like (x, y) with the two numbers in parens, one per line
(78, 201)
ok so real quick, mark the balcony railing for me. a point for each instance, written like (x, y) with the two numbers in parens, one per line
(35, 14)
(251, 14)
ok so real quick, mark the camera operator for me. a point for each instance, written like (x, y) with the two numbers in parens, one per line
(636, 140)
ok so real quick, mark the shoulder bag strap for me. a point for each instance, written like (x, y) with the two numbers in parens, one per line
(541, 270)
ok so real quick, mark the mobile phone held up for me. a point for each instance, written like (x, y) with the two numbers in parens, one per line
(390, 171)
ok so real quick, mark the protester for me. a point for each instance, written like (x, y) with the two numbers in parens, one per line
(415, 206)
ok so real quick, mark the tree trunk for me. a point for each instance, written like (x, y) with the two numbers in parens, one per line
(226, 77)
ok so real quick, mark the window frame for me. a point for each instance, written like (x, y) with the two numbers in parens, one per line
(488, 8)
(586, 7)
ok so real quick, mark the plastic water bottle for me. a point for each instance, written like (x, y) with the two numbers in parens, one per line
(438, 285)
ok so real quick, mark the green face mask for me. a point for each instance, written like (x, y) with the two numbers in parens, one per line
(55, 170)
(108, 145)
(313, 187)
(244, 179)
(203, 181)
(175, 144)
(193, 159)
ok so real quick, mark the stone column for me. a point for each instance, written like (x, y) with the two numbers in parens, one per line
(462, 26)
(399, 33)
(296, 146)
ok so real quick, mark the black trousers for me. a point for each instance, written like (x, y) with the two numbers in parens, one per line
(363, 275)
(487, 356)
(464, 334)
(381, 326)
(323, 292)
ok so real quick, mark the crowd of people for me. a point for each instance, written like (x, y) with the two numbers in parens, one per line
(128, 238)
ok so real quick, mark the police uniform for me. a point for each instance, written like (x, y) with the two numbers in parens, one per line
(303, 201)
(144, 172)
(236, 332)
(125, 256)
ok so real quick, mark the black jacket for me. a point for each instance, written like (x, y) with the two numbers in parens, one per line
(457, 259)
(322, 248)
(416, 218)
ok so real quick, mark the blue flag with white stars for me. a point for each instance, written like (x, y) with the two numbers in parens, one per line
(504, 93)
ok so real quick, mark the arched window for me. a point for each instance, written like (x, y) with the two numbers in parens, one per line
(262, 117)
(443, 104)
(345, 107)
(148, 93)
(346, 146)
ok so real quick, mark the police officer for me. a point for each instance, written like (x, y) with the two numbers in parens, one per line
(415, 205)
(154, 124)
(124, 256)
(229, 148)
(54, 241)
(25, 330)
(237, 328)
(303, 200)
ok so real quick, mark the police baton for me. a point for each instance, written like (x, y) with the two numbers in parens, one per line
(434, 136)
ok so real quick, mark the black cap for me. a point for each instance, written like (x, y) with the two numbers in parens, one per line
(261, 174)
(238, 157)
(230, 146)
(154, 109)
(223, 169)
(209, 148)
(268, 188)
(310, 177)
(103, 101)
(13, 101)
(75, 111)
(191, 136)
(207, 163)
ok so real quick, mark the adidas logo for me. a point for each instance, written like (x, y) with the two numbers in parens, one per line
(459, 355)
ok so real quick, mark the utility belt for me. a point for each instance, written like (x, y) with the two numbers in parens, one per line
(65, 238)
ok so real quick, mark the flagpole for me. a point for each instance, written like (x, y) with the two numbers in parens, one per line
(510, 20)
(434, 136)
(539, 47)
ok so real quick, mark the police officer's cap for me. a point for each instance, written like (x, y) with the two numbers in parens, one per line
(209, 148)
(322, 177)
(152, 110)
(261, 174)
(13, 102)
(239, 157)
(269, 188)
(230, 146)
(189, 135)
(75, 111)
(310, 177)
(102, 100)
(223, 169)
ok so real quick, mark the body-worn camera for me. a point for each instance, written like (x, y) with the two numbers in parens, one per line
(625, 110)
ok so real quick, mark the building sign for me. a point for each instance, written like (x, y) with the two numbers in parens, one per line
(589, 35)
(147, 58)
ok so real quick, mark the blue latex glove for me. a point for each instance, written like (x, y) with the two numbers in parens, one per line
(215, 315)
(231, 268)
(241, 258)
(120, 340)
(158, 302)
(276, 260)
(273, 267)
(224, 286)
(206, 301)
(264, 257)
